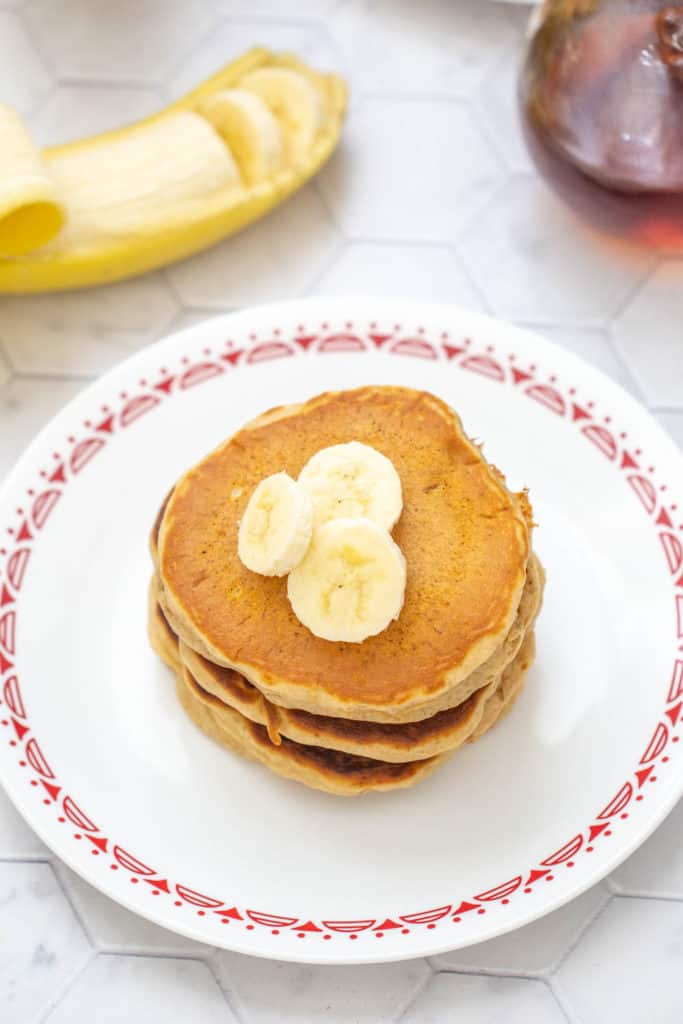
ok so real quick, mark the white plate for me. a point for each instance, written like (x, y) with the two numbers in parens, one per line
(100, 759)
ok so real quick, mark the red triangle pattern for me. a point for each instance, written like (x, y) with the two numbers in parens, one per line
(107, 425)
(165, 385)
(664, 519)
(20, 729)
(58, 477)
(5, 665)
(578, 413)
(673, 714)
(233, 912)
(306, 341)
(53, 791)
(595, 830)
(5, 596)
(464, 907)
(308, 927)
(535, 874)
(157, 883)
(24, 532)
(385, 926)
(379, 339)
(99, 841)
(627, 461)
(233, 357)
(519, 375)
(452, 351)
(644, 774)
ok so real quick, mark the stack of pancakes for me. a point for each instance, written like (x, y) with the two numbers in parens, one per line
(349, 717)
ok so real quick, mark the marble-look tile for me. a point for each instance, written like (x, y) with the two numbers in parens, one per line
(497, 100)
(536, 262)
(478, 999)
(628, 966)
(85, 332)
(270, 992)
(535, 949)
(656, 868)
(26, 405)
(24, 77)
(411, 169)
(428, 272)
(673, 423)
(17, 840)
(42, 945)
(75, 111)
(282, 8)
(123, 41)
(113, 928)
(400, 46)
(190, 318)
(649, 333)
(593, 345)
(277, 257)
(229, 39)
(143, 990)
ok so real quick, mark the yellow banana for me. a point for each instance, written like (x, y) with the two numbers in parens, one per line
(127, 201)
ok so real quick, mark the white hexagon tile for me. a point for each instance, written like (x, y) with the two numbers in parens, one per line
(431, 194)
(126, 41)
(42, 943)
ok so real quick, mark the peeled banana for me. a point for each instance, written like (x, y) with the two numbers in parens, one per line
(130, 200)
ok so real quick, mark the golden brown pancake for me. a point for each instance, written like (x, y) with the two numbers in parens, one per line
(329, 770)
(389, 742)
(464, 535)
(527, 612)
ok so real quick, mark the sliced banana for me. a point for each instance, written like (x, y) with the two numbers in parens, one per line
(353, 479)
(351, 584)
(294, 101)
(276, 527)
(251, 132)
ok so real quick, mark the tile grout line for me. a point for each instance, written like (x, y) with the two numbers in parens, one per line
(418, 990)
(74, 909)
(588, 923)
(53, 1003)
(225, 992)
(553, 995)
(562, 1001)
(655, 898)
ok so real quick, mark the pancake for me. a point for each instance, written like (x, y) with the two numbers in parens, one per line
(506, 693)
(390, 742)
(527, 612)
(224, 689)
(331, 771)
(464, 535)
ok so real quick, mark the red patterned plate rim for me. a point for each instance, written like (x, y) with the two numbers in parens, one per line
(183, 362)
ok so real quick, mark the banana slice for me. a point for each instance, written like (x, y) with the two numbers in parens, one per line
(251, 132)
(276, 527)
(353, 480)
(351, 584)
(294, 101)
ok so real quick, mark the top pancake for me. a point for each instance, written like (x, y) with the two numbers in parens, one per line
(464, 536)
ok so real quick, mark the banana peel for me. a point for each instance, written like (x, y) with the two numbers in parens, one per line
(131, 200)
